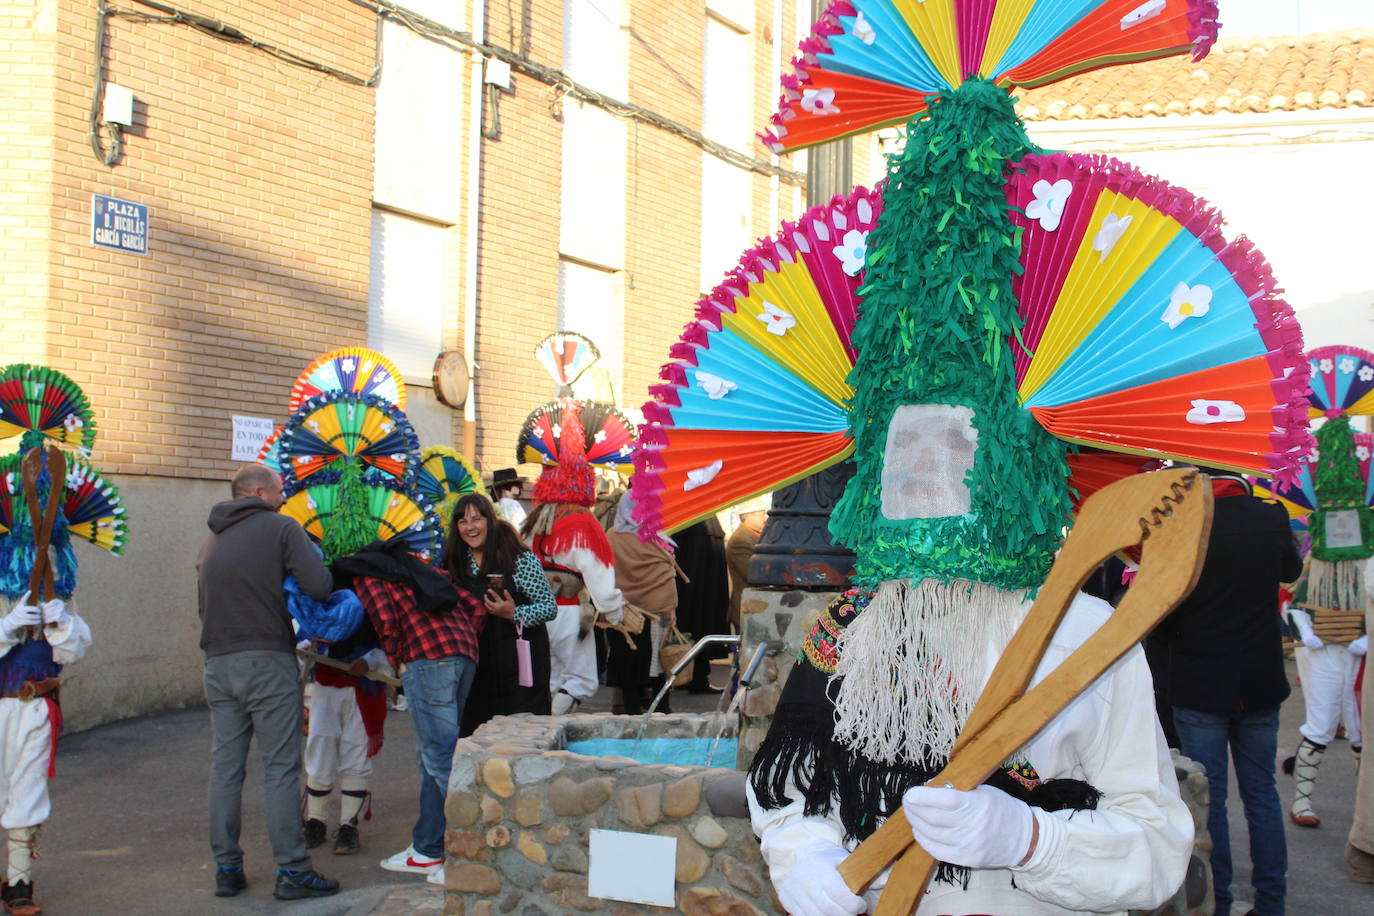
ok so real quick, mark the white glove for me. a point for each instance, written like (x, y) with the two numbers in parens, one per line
(21, 615)
(55, 611)
(1359, 646)
(1312, 641)
(615, 618)
(814, 887)
(984, 828)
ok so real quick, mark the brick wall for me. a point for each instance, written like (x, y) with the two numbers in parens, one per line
(521, 185)
(258, 176)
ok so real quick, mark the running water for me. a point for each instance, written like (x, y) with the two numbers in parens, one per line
(733, 709)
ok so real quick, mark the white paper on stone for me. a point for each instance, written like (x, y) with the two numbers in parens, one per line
(633, 867)
(929, 452)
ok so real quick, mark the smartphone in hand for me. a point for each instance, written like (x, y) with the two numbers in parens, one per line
(496, 582)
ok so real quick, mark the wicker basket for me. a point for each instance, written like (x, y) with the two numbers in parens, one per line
(676, 646)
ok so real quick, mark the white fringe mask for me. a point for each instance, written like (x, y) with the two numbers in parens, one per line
(913, 664)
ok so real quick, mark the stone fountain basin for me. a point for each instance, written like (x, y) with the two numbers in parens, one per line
(521, 807)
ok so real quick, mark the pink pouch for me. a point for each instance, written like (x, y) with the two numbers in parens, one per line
(524, 669)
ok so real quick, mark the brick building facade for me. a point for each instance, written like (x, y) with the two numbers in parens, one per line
(304, 191)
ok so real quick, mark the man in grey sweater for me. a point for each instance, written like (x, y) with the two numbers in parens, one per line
(251, 679)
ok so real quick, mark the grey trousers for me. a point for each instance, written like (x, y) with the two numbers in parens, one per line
(256, 693)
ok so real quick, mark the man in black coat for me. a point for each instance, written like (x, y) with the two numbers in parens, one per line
(1226, 679)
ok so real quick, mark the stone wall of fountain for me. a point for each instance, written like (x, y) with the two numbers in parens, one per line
(521, 807)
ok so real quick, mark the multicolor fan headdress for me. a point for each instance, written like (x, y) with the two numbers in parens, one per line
(349, 457)
(571, 481)
(608, 436)
(873, 63)
(444, 477)
(566, 356)
(40, 406)
(350, 369)
(335, 428)
(1338, 491)
(384, 511)
(1069, 314)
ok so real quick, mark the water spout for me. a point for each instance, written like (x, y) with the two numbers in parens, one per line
(764, 650)
(671, 676)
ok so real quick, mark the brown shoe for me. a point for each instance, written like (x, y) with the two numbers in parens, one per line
(18, 898)
(1305, 820)
(1361, 865)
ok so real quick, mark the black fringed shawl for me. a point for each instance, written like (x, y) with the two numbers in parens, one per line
(801, 749)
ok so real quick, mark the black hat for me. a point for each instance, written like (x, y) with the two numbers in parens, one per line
(507, 477)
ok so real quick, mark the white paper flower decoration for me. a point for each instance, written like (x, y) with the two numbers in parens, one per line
(852, 251)
(1347, 365)
(348, 364)
(72, 423)
(862, 30)
(715, 386)
(1206, 412)
(1143, 13)
(1327, 365)
(1362, 452)
(1048, 206)
(775, 319)
(1366, 373)
(1110, 233)
(819, 101)
(702, 476)
(1187, 302)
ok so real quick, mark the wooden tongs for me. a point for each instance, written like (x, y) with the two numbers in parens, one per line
(1171, 513)
(41, 587)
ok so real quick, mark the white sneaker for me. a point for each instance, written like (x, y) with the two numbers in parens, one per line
(564, 703)
(436, 876)
(411, 861)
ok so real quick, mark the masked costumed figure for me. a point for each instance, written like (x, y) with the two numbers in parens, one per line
(47, 498)
(975, 333)
(577, 557)
(1334, 493)
(358, 483)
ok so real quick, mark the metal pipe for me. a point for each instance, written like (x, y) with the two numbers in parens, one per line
(766, 649)
(696, 650)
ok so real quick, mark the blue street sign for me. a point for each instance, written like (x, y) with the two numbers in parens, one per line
(119, 224)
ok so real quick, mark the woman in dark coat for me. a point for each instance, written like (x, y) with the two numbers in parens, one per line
(703, 602)
(484, 555)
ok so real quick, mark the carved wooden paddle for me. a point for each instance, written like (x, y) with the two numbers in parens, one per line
(41, 578)
(1171, 511)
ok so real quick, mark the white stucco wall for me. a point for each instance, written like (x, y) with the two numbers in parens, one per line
(1297, 184)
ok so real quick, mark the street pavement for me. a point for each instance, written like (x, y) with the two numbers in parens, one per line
(128, 831)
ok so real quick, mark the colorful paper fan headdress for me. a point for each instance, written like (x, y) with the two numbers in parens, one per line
(349, 457)
(873, 63)
(39, 404)
(443, 478)
(1058, 307)
(1336, 489)
(608, 436)
(385, 511)
(352, 369)
(566, 356)
(571, 481)
(337, 428)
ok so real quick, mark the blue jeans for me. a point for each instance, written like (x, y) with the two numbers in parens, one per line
(1253, 741)
(436, 690)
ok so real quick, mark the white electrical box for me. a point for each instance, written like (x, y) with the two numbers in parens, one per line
(119, 105)
(497, 73)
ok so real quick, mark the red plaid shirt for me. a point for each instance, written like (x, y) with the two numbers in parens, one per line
(407, 633)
